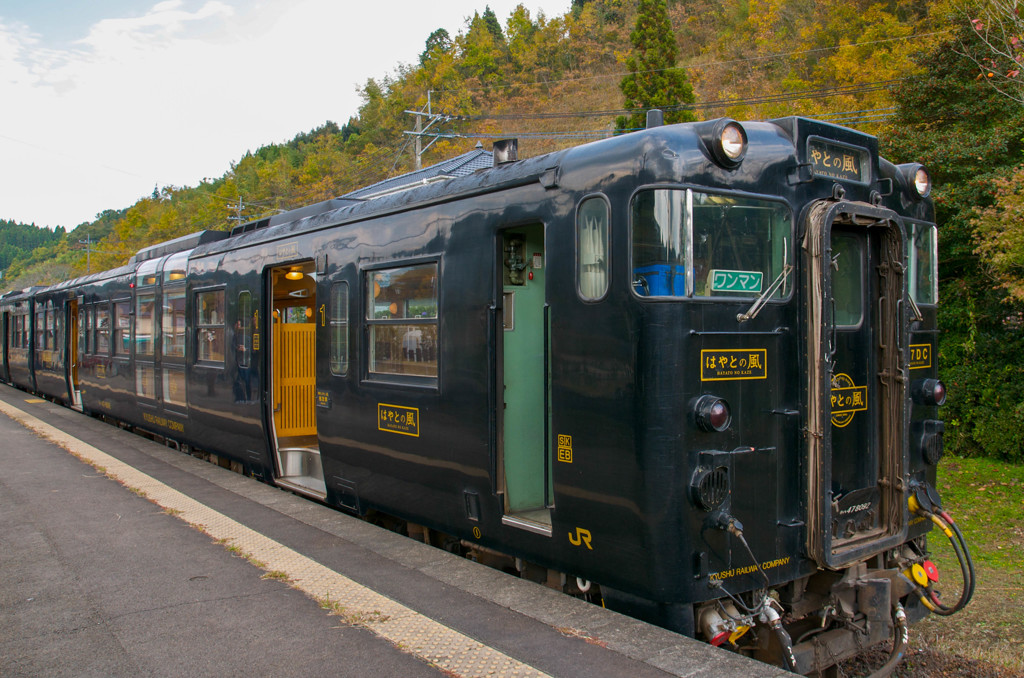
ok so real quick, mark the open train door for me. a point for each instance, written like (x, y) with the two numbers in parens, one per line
(856, 314)
(74, 310)
(524, 441)
(294, 438)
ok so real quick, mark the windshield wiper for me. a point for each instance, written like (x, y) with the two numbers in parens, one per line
(759, 303)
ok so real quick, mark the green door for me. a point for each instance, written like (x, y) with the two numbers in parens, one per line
(524, 437)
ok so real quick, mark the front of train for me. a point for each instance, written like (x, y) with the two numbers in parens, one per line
(812, 428)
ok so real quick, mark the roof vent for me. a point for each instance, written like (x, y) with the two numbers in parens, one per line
(655, 118)
(505, 151)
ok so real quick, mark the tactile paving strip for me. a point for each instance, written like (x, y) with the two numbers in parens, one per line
(446, 648)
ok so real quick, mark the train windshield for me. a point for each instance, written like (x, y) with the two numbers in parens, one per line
(688, 243)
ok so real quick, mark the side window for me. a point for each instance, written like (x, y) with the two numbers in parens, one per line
(592, 244)
(243, 331)
(122, 328)
(923, 264)
(102, 329)
(40, 324)
(210, 326)
(145, 327)
(401, 310)
(173, 323)
(51, 329)
(339, 329)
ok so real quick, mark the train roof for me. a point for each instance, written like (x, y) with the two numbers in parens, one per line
(185, 242)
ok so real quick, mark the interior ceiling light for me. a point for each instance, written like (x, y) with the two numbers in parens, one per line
(294, 274)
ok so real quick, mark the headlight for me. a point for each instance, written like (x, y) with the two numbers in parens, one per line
(725, 139)
(917, 179)
(922, 182)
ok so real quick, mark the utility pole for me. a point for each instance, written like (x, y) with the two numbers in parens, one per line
(238, 211)
(421, 131)
(88, 251)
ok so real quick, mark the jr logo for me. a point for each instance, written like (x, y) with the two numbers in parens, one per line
(580, 537)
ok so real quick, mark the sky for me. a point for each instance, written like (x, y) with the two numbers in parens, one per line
(102, 101)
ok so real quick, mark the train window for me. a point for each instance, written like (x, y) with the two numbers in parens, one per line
(84, 336)
(51, 328)
(145, 380)
(122, 328)
(923, 264)
(145, 327)
(592, 241)
(339, 329)
(40, 324)
(402, 318)
(688, 243)
(210, 326)
(245, 326)
(740, 245)
(175, 266)
(101, 326)
(174, 386)
(847, 282)
(173, 323)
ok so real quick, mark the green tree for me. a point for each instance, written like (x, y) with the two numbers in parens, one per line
(654, 81)
(970, 138)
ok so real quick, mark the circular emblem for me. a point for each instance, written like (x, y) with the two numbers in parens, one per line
(477, 533)
(840, 418)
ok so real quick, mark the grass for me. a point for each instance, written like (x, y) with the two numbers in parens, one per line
(986, 499)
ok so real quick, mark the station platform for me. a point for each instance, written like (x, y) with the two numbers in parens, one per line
(120, 556)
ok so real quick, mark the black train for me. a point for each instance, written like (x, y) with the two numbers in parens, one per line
(694, 365)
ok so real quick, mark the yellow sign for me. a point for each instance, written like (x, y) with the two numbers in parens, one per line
(398, 419)
(565, 448)
(748, 569)
(323, 399)
(581, 537)
(920, 356)
(733, 364)
(164, 422)
(847, 399)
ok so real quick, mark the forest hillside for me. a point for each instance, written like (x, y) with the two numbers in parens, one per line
(933, 80)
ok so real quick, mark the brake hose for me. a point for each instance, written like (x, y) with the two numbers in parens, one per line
(917, 503)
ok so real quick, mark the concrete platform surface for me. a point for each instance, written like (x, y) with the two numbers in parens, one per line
(122, 557)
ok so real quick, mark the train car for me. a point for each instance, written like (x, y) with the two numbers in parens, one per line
(688, 371)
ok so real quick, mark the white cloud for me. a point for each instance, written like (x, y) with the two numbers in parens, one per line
(180, 91)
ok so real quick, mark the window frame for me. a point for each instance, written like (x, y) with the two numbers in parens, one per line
(218, 324)
(911, 259)
(432, 382)
(121, 308)
(599, 197)
(339, 327)
(690, 294)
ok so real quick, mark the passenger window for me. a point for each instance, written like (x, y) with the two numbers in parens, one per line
(592, 243)
(102, 328)
(173, 323)
(145, 327)
(210, 326)
(402, 319)
(339, 329)
(923, 264)
(122, 328)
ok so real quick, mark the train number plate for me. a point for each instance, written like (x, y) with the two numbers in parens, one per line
(920, 356)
